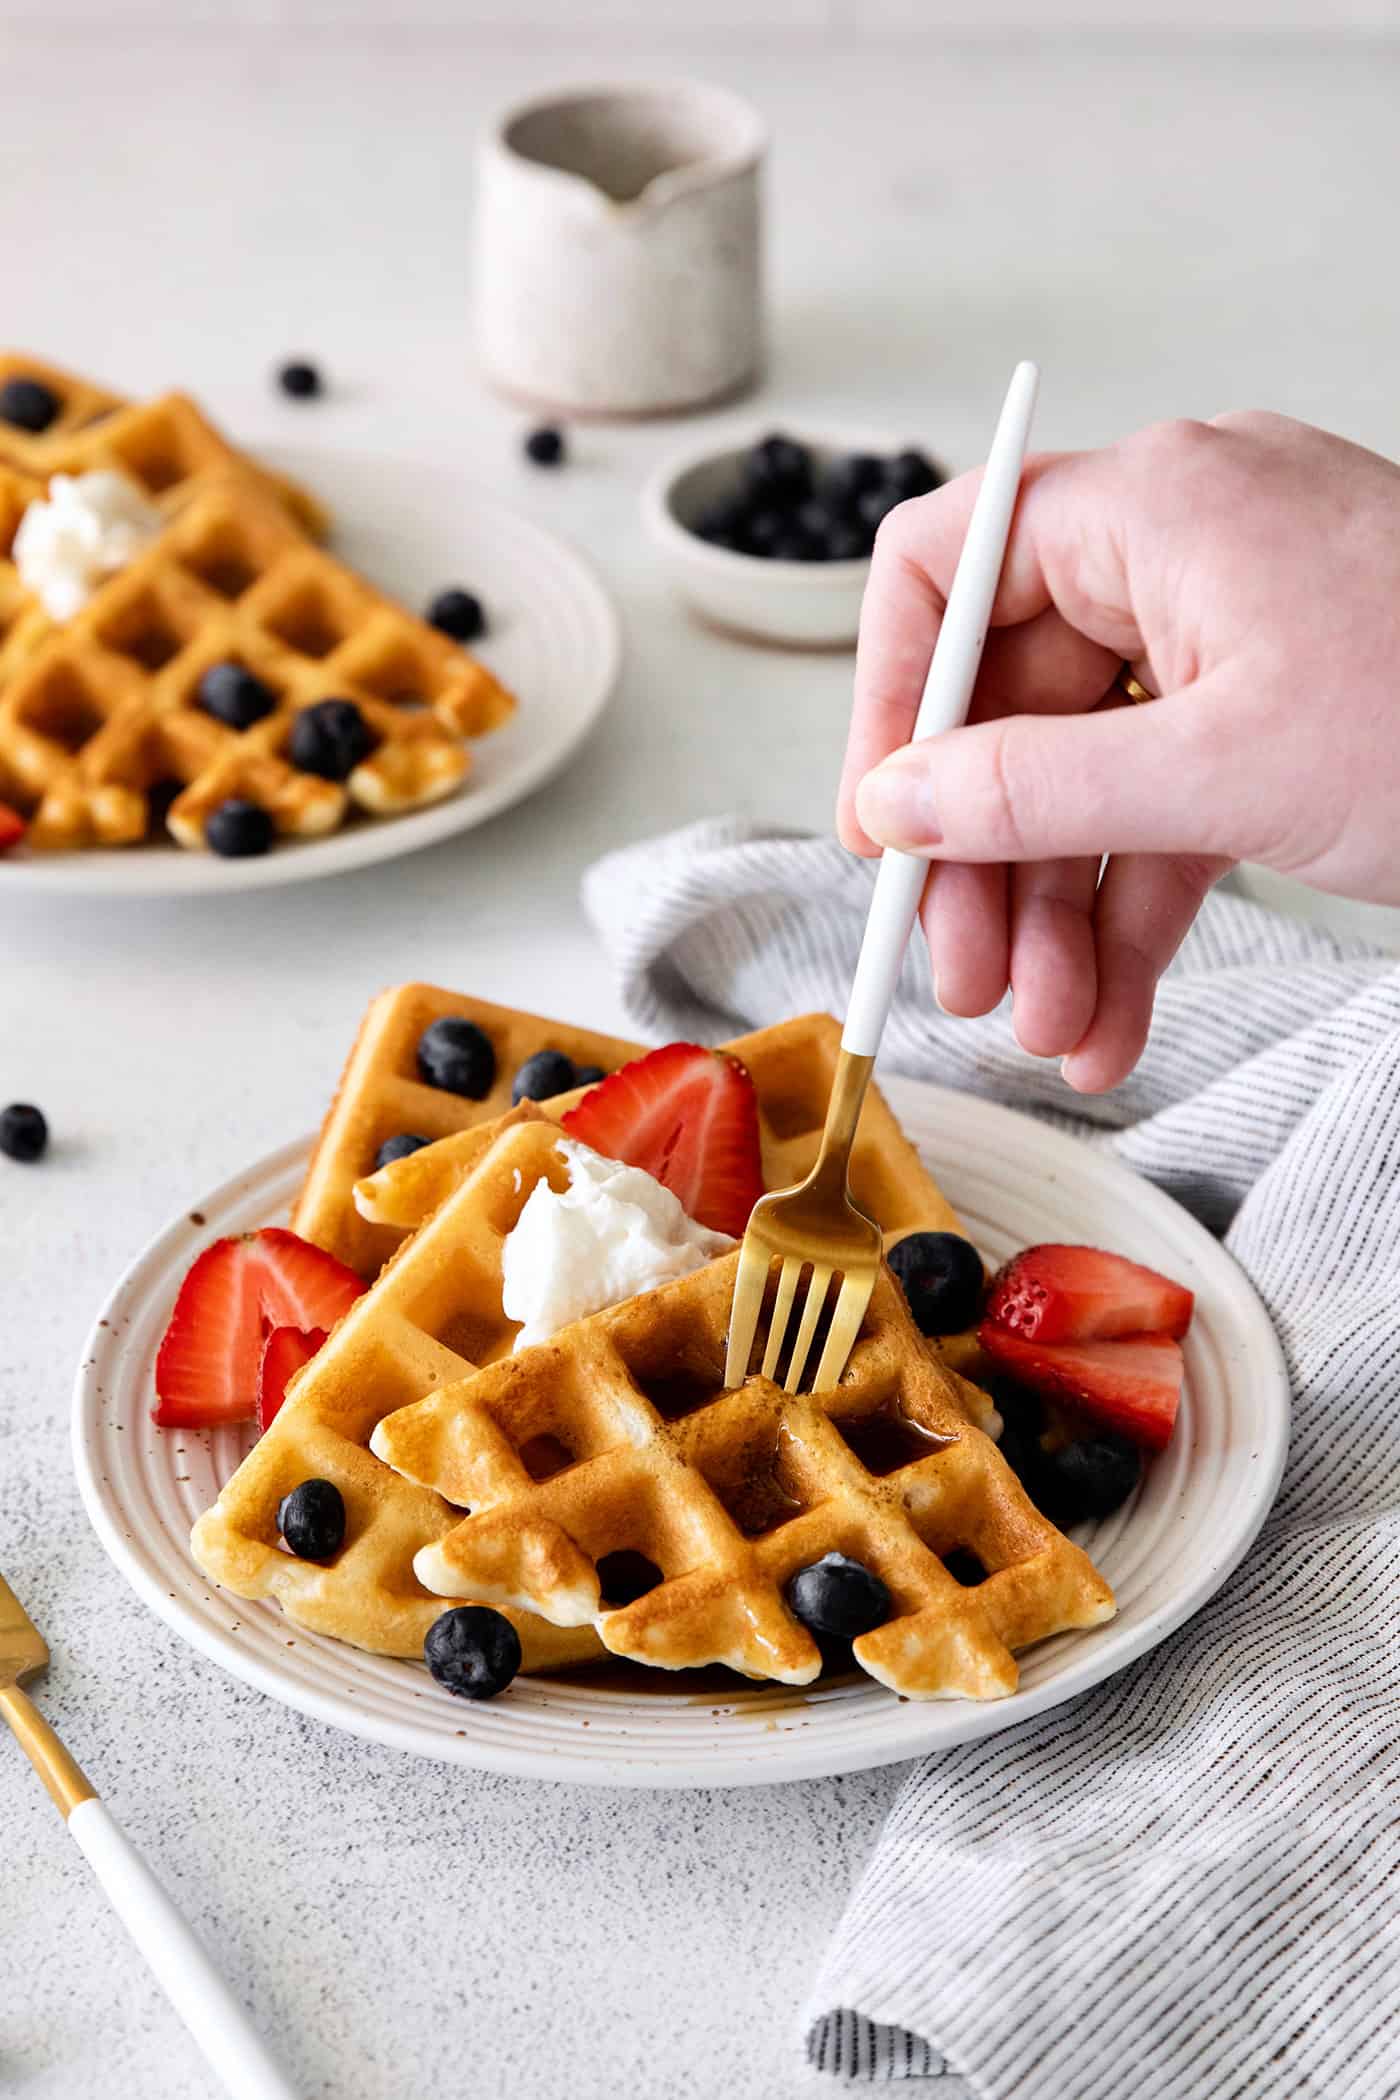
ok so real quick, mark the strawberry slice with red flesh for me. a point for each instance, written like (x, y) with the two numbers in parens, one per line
(12, 826)
(285, 1352)
(689, 1117)
(1132, 1385)
(1081, 1294)
(208, 1363)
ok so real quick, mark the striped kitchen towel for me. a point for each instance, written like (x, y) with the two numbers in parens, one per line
(1187, 1882)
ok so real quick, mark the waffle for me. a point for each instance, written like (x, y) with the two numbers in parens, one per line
(614, 1448)
(23, 621)
(434, 1312)
(167, 446)
(102, 721)
(792, 1065)
(381, 1095)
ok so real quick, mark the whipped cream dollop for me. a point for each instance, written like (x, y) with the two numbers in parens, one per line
(614, 1231)
(88, 527)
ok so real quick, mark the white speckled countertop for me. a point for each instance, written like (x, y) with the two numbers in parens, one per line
(1166, 232)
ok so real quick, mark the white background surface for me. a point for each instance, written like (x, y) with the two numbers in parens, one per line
(1173, 230)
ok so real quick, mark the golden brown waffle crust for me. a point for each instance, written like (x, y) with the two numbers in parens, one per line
(391, 1347)
(728, 1494)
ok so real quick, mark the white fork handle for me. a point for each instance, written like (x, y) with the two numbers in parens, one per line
(947, 696)
(232, 2046)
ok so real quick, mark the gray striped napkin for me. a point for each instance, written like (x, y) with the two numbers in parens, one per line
(1187, 1882)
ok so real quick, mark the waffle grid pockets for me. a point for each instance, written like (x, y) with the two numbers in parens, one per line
(617, 1441)
(434, 1314)
(100, 728)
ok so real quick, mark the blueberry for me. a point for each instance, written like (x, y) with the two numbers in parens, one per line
(942, 1277)
(789, 546)
(1090, 1478)
(473, 1651)
(761, 532)
(874, 506)
(299, 379)
(847, 543)
(398, 1148)
(456, 1055)
(838, 1595)
(458, 614)
(330, 739)
(814, 521)
(545, 446)
(778, 470)
(27, 404)
(232, 694)
(588, 1075)
(312, 1520)
(912, 473)
(722, 524)
(23, 1131)
(849, 477)
(541, 1077)
(237, 830)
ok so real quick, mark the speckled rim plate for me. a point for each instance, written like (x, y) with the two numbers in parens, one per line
(554, 638)
(1014, 1181)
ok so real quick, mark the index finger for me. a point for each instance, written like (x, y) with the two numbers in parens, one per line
(1065, 500)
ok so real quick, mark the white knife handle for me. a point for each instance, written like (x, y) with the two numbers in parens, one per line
(235, 2051)
(947, 696)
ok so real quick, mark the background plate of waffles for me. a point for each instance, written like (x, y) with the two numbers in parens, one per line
(409, 530)
(1014, 1182)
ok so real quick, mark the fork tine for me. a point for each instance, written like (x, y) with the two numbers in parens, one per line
(845, 1326)
(782, 1307)
(749, 1285)
(811, 1313)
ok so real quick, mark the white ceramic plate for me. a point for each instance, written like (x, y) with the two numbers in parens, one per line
(1014, 1182)
(554, 638)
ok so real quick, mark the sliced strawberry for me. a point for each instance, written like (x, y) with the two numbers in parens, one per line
(1081, 1294)
(12, 826)
(1132, 1385)
(284, 1353)
(689, 1117)
(208, 1363)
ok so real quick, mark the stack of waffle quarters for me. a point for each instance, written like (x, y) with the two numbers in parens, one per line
(102, 738)
(410, 1350)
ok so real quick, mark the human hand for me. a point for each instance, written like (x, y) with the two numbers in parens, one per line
(1249, 569)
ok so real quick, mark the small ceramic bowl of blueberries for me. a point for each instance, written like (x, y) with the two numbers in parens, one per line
(772, 538)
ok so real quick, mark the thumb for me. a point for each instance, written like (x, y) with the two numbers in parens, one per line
(1044, 787)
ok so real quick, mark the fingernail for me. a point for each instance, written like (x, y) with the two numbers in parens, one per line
(894, 804)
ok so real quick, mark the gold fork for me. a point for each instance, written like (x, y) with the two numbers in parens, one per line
(816, 1225)
(220, 2026)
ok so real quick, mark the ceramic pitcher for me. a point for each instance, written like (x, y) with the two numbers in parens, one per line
(617, 254)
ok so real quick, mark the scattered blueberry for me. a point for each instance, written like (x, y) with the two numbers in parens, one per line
(237, 830)
(913, 473)
(330, 739)
(837, 1595)
(398, 1148)
(300, 379)
(473, 1651)
(23, 1131)
(458, 614)
(588, 1075)
(27, 404)
(545, 446)
(942, 1278)
(231, 693)
(312, 1520)
(541, 1077)
(1088, 1478)
(457, 1056)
